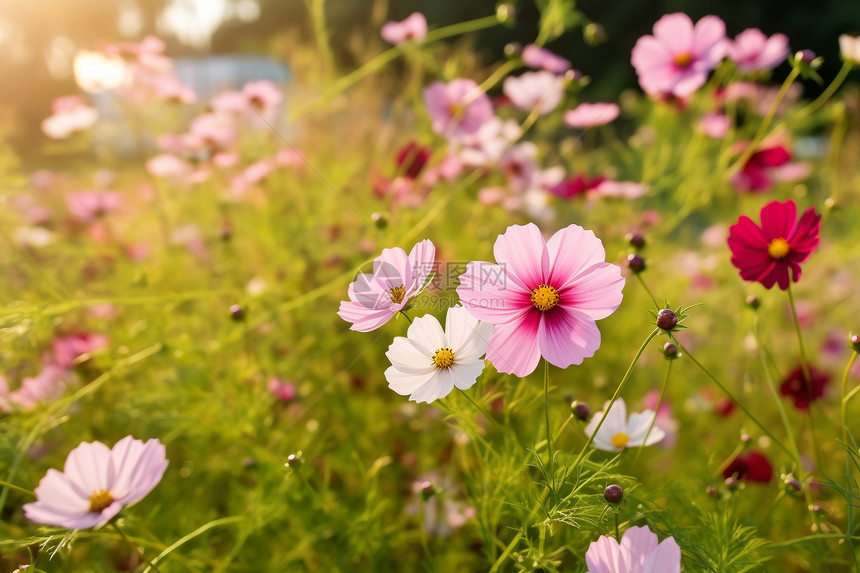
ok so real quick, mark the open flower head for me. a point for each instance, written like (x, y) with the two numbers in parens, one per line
(753, 51)
(544, 297)
(457, 108)
(413, 28)
(618, 431)
(97, 482)
(639, 552)
(541, 91)
(376, 297)
(772, 253)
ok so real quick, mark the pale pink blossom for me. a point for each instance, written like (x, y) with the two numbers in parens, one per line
(169, 88)
(168, 166)
(715, 125)
(676, 60)
(225, 159)
(753, 51)
(587, 115)
(97, 482)
(413, 28)
(520, 166)
(621, 189)
(229, 102)
(70, 114)
(288, 157)
(537, 57)
(541, 91)
(215, 130)
(457, 108)
(638, 552)
(849, 47)
(375, 298)
(262, 96)
(68, 349)
(90, 205)
(487, 146)
(544, 297)
(48, 385)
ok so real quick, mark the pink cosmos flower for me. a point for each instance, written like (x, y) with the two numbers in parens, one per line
(46, 386)
(543, 297)
(574, 186)
(638, 552)
(90, 205)
(676, 60)
(68, 349)
(540, 90)
(168, 166)
(229, 102)
(591, 114)
(283, 390)
(457, 108)
(70, 114)
(396, 278)
(413, 28)
(536, 57)
(762, 169)
(262, 96)
(487, 146)
(217, 131)
(715, 125)
(753, 51)
(621, 189)
(772, 254)
(97, 482)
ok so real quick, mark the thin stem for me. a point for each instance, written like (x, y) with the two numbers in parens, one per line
(656, 410)
(199, 531)
(743, 408)
(479, 407)
(134, 547)
(804, 363)
(14, 487)
(406, 316)
(617, 536)
(648, 290)
(828, 93)
(548, 430)
(612, 400)
(845, 397)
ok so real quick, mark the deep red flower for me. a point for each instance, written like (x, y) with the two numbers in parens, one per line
(804, 391)
(574, 186)
(766, 254)
(756, 174)
(412, 158)
(750, 466)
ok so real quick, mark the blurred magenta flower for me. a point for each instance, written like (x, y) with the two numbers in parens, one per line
(281, 389)
(621, 189)
(760, 170)
(396, 278)
(772, 254)
(802, 391)
(753, 51)
(428, 362)
(619, 432)
(413, 28)
(541, 91)
(90, 205)
(457, 108)
(638, 552)
(587, 115)
(544, 298)
(849, 47)
(69, 348)
(45, 387)
(537, 57)
(70, 114)
(97, 482)
(750, 466)
(676, 60)
(575, 186)
(412, 158)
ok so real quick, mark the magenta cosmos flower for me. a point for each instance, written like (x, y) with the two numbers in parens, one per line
(752, 50)
(638, 552)
(678, 57)
(767, 254)
(412, 28)
(457, 108)
(375, 297)
(97, 482)
(543, 297)
(802, 391)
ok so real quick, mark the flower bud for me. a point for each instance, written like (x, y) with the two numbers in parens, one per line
(805, 56)
(636, 240)
(594, 34)
(513, 49)
(580, 410)
(294, 461)
(237, 313)
(667, 319)
(613, 493)
(380, 220)
(792, 483)
(670, 350)
(712, 491)
(855, 342)
(574, 75)
(753, 302)
(506, 13)
(732, 482)
(635, 263)
(428, 490)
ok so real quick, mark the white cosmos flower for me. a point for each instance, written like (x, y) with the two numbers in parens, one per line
(850, 48)
(427, 363)
(619, 432)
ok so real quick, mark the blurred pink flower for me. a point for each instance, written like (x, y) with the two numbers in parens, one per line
(90, 205)
(375, 298)
(544, 298)
(45, 387)
(676, 60)
(638, 552)
(97, 482)
(262, 96)
(168, 166)
(229, 102)
(575, 186)
(541, 91)
(758, 96)
(70, 114)
(217, 131)
(288, 157)
(621, 189)
(537, 57)
(281, 389)
(487, 146)
(69, 348)
(766, 166)
(225, 159)
(413, 28)
(520, 165)
(715, 125)
(753, 51)
(457, 108)
(169, 88)
(591, 114)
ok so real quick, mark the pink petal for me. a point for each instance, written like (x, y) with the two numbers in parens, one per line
(87, 468)
(570, 251)
(778, 219)
(595, 292)
(666, 558)
(675, 31)
(514, 345)
(636, 545)
(523, 252)
(488, 293)
(604, 556)
(566, 338)
(710, 39)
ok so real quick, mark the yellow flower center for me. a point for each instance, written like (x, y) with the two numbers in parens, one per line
(545, 298)
(397, 294)
(620, 440)
(100, 500)
(778, 248)
(683, 60)
(443, 358)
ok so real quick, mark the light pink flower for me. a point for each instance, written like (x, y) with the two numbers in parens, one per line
(457, 108)
(676, 60)
(591, 114)
(413, 28)
(229, 102)
(225, 159)
(639, 552)
(753, 51)
(90, 205)
(396, 278)
(169, 88)
(621, 189)
(540, 90)
(217, 131)
(520, 165)
(486, 147)
(97, 482)
(68, 349)
(46, 386)
(544, 298)
(70, 114)
(262, 96)
(536, 57)
(168, 166)
(715, 125)
(288, 157)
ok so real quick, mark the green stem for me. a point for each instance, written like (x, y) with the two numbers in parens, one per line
(765, 124)
(548, 430)
(804, 363)
(406, 316)
(648, 290)
(14, 487)
(828, 93)
(317, 11)
(743, 408)
(656, 410)
(134, 547)
(847, 397)
(612, 400)
(199, 531)
(480, 408)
